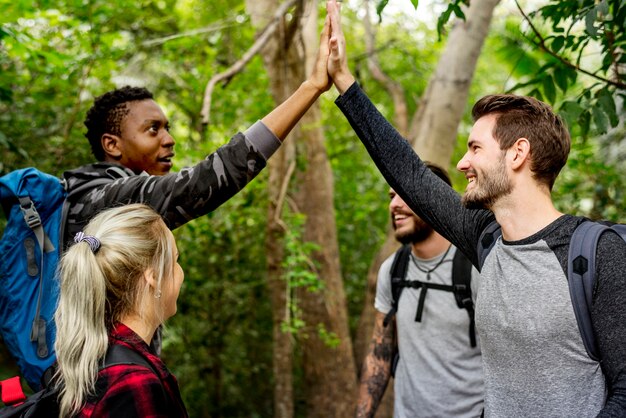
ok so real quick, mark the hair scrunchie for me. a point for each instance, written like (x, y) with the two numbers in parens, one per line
(93, 242)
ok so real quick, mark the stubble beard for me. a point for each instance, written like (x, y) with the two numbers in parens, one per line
(420, 232)
(493, 185)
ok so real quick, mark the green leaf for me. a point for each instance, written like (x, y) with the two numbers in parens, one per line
(600, 119)
(536, 94)
(548, 89)
(380, 7)
(558, 43)
(585, 121)
(590, 19)
(415, 3)
(560, 78)
(519, 86)
(458, 12)
(571, 111)
(607, 103)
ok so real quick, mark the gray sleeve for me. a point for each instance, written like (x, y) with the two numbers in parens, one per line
(384, 300)
(425, 193)
(263, 139)
(608, 316)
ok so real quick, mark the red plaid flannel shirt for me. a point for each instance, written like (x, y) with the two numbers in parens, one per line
(133, 390)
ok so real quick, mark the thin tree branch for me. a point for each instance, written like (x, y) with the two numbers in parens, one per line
(542, 44)
(238, 66)
(394, 89)
(367, 54)
(282, 194)
(226, 23)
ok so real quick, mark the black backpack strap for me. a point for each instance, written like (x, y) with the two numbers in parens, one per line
(581, 270)
(91, 184)
(398, 272)
(487, 240)
(461, 284)
(119, 354)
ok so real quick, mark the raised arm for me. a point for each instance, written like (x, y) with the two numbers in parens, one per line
(425, 193)
(285, 116)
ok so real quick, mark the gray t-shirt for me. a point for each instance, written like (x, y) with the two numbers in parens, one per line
(524, 314)
(439, 374)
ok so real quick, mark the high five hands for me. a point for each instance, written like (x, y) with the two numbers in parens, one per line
(331, 65)
(337, 61)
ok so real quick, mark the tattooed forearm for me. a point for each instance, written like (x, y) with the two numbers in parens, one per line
(376, 369)
(383, 345)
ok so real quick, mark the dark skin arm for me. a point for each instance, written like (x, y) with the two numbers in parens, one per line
(376, 370)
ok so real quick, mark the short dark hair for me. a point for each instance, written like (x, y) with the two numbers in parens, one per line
(440, 172)
(526, 117)
(107, 113)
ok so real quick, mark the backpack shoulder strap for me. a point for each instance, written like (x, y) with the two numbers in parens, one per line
(119, 354)
(581, 269)
(487, 240)
(461, 286)
(71, 193)
(399, 268)
(620, 229)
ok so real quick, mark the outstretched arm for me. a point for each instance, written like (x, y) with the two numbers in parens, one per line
(376, 370)
(284, 117)
(426, 194)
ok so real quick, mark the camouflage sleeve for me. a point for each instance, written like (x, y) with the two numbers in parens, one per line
(194, 191)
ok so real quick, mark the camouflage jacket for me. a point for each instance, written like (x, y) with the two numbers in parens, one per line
(178, 197)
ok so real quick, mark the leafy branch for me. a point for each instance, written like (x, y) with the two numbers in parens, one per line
(542, 44)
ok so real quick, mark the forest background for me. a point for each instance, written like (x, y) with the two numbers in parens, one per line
(275, 313)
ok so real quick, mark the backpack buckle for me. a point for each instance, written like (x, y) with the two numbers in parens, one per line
(31, 216)
(460, 288)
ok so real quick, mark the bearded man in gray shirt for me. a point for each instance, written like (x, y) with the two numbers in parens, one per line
(535, 362)
(438, 371)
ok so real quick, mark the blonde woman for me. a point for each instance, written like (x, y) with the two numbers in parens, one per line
(119, 282)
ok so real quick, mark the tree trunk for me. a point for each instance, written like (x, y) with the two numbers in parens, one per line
(329, 372)
(433, 129)
(280, 64)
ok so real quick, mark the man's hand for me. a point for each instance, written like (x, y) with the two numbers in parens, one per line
(338, 61)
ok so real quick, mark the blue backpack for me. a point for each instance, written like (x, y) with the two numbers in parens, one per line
(36, 207)
(581, 270)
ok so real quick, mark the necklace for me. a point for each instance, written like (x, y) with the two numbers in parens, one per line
(423, 270)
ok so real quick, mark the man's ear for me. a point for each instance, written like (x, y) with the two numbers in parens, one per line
(111, 144)
(519, 153)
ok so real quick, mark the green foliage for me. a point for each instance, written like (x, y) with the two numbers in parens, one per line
(219, 343)
(328, 337)
(453, 8)
(570, 34)
(591, 187)
(300, 270)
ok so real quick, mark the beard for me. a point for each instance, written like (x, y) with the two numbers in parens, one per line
(493, 184)
(420, 231)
